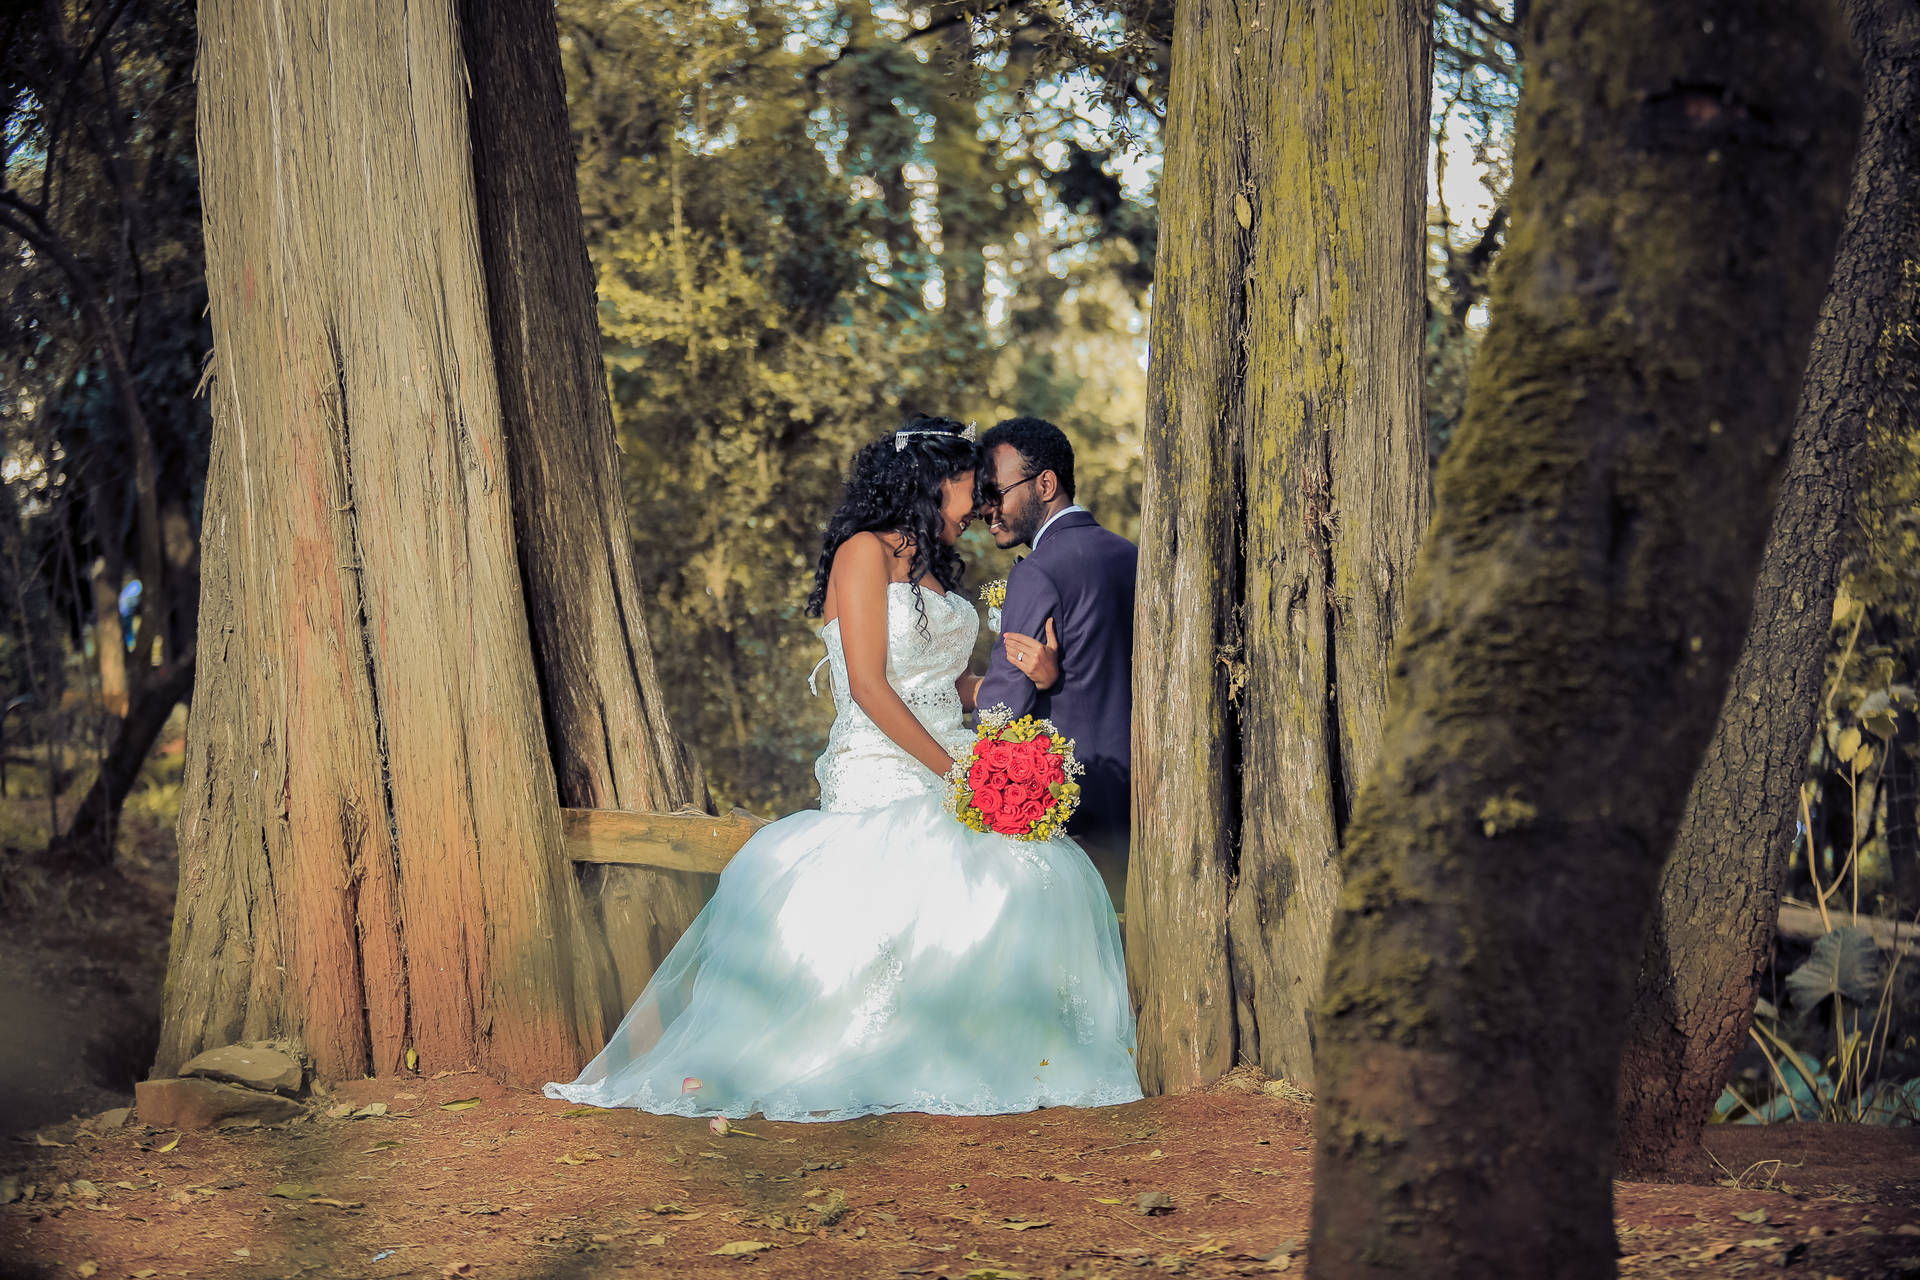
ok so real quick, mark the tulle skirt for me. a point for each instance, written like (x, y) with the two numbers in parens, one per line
(889, 960)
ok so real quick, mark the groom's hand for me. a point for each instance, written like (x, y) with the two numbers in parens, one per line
(1037, 660)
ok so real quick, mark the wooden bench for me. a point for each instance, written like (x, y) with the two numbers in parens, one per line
(684, 841)
(693, 841)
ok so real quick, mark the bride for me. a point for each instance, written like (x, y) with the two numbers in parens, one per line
(874, 955)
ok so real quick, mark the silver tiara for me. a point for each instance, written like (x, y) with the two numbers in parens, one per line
(900, 438)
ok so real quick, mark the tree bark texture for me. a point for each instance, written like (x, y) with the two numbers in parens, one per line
(1713, 926)
(1285, 494)
(1680, 171)
(371, 853)
(606, 719)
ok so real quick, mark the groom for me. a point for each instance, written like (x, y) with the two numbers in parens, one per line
(1076, 584)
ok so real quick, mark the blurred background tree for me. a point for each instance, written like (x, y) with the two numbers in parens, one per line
(101, 273)
(808, 221)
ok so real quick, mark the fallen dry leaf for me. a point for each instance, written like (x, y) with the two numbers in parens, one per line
(464, 1104)
(833, 1210)
(734, 1248)
(1023, 1224)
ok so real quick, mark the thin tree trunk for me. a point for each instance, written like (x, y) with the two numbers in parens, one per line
(109, 640)
(606, 718)
(1712, 932)
(95, 828)
(1284, 499)
(1679, 172)
(962, 166)
(371, 854)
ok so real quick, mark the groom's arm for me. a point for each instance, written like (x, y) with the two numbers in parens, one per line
(1031, 600)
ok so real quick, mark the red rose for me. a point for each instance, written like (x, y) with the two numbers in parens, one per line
(1020, 766)
(987, 801)
(997, 753)
(1016, 794)
(1008, 825)
(1053, 770)
(1044, 743)
(980, 775)
(1032, 811)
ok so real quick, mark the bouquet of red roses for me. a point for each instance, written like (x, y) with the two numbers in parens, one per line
(1019, 778)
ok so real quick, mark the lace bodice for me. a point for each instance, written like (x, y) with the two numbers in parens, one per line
(862, 768)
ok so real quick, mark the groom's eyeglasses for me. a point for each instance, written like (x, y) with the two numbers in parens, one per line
(999, 492)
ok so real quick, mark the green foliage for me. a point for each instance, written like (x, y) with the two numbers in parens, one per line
(806, 223)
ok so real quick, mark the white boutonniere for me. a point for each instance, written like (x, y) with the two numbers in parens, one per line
(994, 596)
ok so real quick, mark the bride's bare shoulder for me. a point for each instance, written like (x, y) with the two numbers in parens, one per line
(864, 550)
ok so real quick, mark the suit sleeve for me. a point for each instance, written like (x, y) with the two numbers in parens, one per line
(1031, 600)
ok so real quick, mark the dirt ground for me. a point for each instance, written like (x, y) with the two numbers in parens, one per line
(516, 1185)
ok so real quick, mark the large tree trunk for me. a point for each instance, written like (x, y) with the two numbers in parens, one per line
(1713, 926)
(1679, 176)
(606, 718)
(371, 854)
(1285, 494)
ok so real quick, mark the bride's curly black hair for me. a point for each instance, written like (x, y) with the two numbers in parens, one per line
(895, 489)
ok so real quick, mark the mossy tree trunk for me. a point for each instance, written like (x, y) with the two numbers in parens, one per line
(1679, 173)
(1285, 493)
(1712, 931)
(606, 720)
(371, 854)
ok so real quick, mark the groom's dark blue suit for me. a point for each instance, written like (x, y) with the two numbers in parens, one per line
(1081, 576)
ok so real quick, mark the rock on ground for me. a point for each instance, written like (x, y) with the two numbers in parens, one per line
(202, 1104)
(264, 1066)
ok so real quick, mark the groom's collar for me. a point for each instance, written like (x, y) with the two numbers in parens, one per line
(1057, 517)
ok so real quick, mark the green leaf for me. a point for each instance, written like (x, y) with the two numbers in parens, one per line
(1844, 963)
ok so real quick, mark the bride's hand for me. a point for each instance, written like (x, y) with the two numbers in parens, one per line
(1037, 660)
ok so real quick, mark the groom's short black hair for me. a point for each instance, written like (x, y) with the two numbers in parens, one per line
(1040, 444)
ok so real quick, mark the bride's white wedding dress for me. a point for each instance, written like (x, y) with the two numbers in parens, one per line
(874, 955)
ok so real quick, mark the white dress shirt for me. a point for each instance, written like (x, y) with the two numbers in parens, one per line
(1064, 511)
